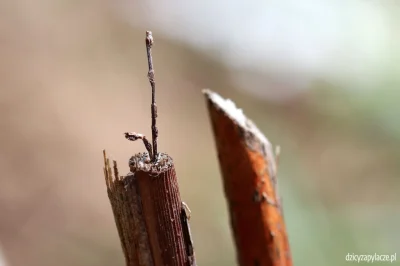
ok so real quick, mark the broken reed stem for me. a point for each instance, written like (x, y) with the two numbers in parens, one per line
(151, 220)
(249, 174)
(126, 206)
(149, 215)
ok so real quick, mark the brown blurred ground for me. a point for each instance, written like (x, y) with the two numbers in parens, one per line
(73, 79)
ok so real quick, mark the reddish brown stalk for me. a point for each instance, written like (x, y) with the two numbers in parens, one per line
(151, 219)
(249, 175)
(163, 210)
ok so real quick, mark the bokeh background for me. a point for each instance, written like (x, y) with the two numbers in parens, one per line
(319, 78)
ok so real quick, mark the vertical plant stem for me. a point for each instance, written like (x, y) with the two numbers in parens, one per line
(154, 129)
(249, 176)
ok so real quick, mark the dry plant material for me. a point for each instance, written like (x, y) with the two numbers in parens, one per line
(151, 219)
(249, 175)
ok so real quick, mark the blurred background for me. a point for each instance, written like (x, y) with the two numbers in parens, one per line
(320, 79)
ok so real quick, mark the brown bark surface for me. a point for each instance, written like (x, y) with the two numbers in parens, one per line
(148, 212)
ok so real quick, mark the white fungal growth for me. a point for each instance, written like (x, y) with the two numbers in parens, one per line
(236, 114)
(228, 106)
(142, 162)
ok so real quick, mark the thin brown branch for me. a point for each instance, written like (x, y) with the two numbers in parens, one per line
(152, 150)
(154, 129)
(132, 136)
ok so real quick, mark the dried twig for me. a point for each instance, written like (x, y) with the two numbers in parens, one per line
(249, 174)
(152, 150)
(126, 205)
(154, 130)
(132, 136)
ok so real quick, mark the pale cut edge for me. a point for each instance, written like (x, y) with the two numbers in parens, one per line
(237, 116)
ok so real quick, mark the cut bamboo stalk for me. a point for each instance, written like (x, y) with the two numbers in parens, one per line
(150, 217)
(249, 175)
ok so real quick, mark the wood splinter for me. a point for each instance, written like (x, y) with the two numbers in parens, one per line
(151, 219)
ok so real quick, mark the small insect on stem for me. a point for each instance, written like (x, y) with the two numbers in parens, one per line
(152, 150)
